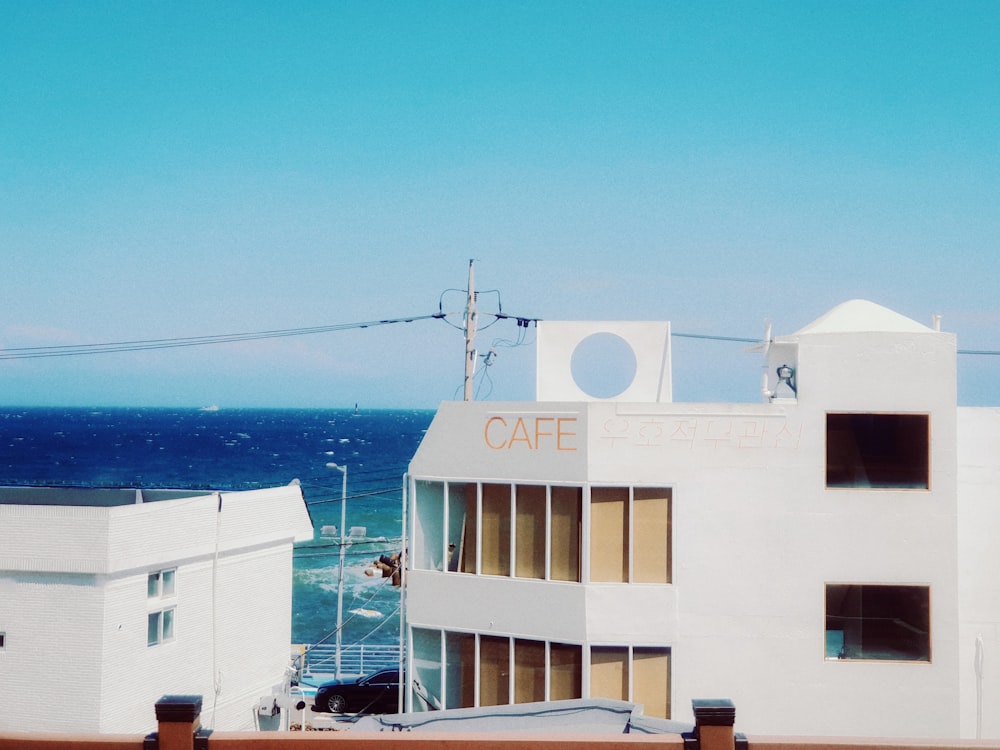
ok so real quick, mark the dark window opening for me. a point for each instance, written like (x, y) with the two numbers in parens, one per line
(878, 450)
(869, 621)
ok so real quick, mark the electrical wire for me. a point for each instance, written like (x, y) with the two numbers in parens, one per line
(69, 350)
(523, 322)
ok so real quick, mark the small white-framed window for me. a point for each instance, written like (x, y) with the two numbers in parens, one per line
(3, 640)
(160, 626)
(160, 583)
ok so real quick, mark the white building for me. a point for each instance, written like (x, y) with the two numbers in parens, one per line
(110, 599)
(826, 558)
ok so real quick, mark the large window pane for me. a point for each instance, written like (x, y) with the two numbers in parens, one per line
(565, 671)
(461, 670)
(529, 531)
(457, 513)
(427, 669)
(494, 671)
(609, 534)
(651, 549)
(496, 529)
(168, 624)
(529, 671)
(874, 621)
(651, 680)
(153, 629)
(566, 505)
(429, 526)
(609, 673)
(878, 450)
(470, 540)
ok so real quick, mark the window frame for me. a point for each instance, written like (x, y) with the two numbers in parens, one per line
(912, 615)
(857, 445)
(161, 597)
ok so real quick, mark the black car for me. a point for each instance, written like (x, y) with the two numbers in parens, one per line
(375, 693)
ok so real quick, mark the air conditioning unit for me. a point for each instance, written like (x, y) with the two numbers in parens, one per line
(267, 706)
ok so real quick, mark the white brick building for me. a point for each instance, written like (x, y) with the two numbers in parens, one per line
(110, 599)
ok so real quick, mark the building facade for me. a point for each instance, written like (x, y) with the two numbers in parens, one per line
(110, 599)
(824, 558)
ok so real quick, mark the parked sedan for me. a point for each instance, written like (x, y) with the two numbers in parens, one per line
(376, 693)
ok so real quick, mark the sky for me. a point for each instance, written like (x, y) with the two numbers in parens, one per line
(186, 169)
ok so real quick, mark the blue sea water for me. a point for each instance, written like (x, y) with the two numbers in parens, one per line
(232, 449)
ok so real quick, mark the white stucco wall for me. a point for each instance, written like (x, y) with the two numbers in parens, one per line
(757, 537)
(979, 563)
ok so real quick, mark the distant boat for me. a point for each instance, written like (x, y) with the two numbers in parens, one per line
(213, 407)
(355, 408)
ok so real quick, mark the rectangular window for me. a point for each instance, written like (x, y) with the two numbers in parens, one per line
(640, 675)
(529, 671)
(160, 626)
(885, 451)
(457, 519)
(630, 535)
(566, 505)
(3, 641)
(609, 534)
(429, 525)
(651, 550)
(494, 671)
(160, 583)
(651, 680)
(609, 676)
(460, 670)
(496, 529)
(565, 671)
(877, 621)
(530, 531)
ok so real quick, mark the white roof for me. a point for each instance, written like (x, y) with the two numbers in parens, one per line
(862, 316)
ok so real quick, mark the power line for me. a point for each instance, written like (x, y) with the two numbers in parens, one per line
(523, 322)
(71, 350)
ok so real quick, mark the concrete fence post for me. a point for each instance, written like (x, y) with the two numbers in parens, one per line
(714, 719)
(178, 720)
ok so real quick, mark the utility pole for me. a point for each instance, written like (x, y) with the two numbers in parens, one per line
(470, 333)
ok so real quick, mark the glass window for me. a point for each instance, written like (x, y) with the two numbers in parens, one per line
(429, 526)
(457, 513)
(460, 666)
(651, 550)
(168, 582)
(887, 451)
(565, 671)
(496, 529)
(876, 621)
(168, 625)
(153, 628)
(530, 531)
(566, 505)
(153, 585)
(494, 671)
(529, 671)
(651, 680)
(609, 534)
(609, 672)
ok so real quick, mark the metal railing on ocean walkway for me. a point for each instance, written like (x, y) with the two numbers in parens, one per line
(355, 659)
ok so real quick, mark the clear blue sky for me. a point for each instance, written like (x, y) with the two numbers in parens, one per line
(175, 169)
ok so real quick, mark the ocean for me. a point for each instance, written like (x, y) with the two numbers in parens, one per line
(235, 449)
